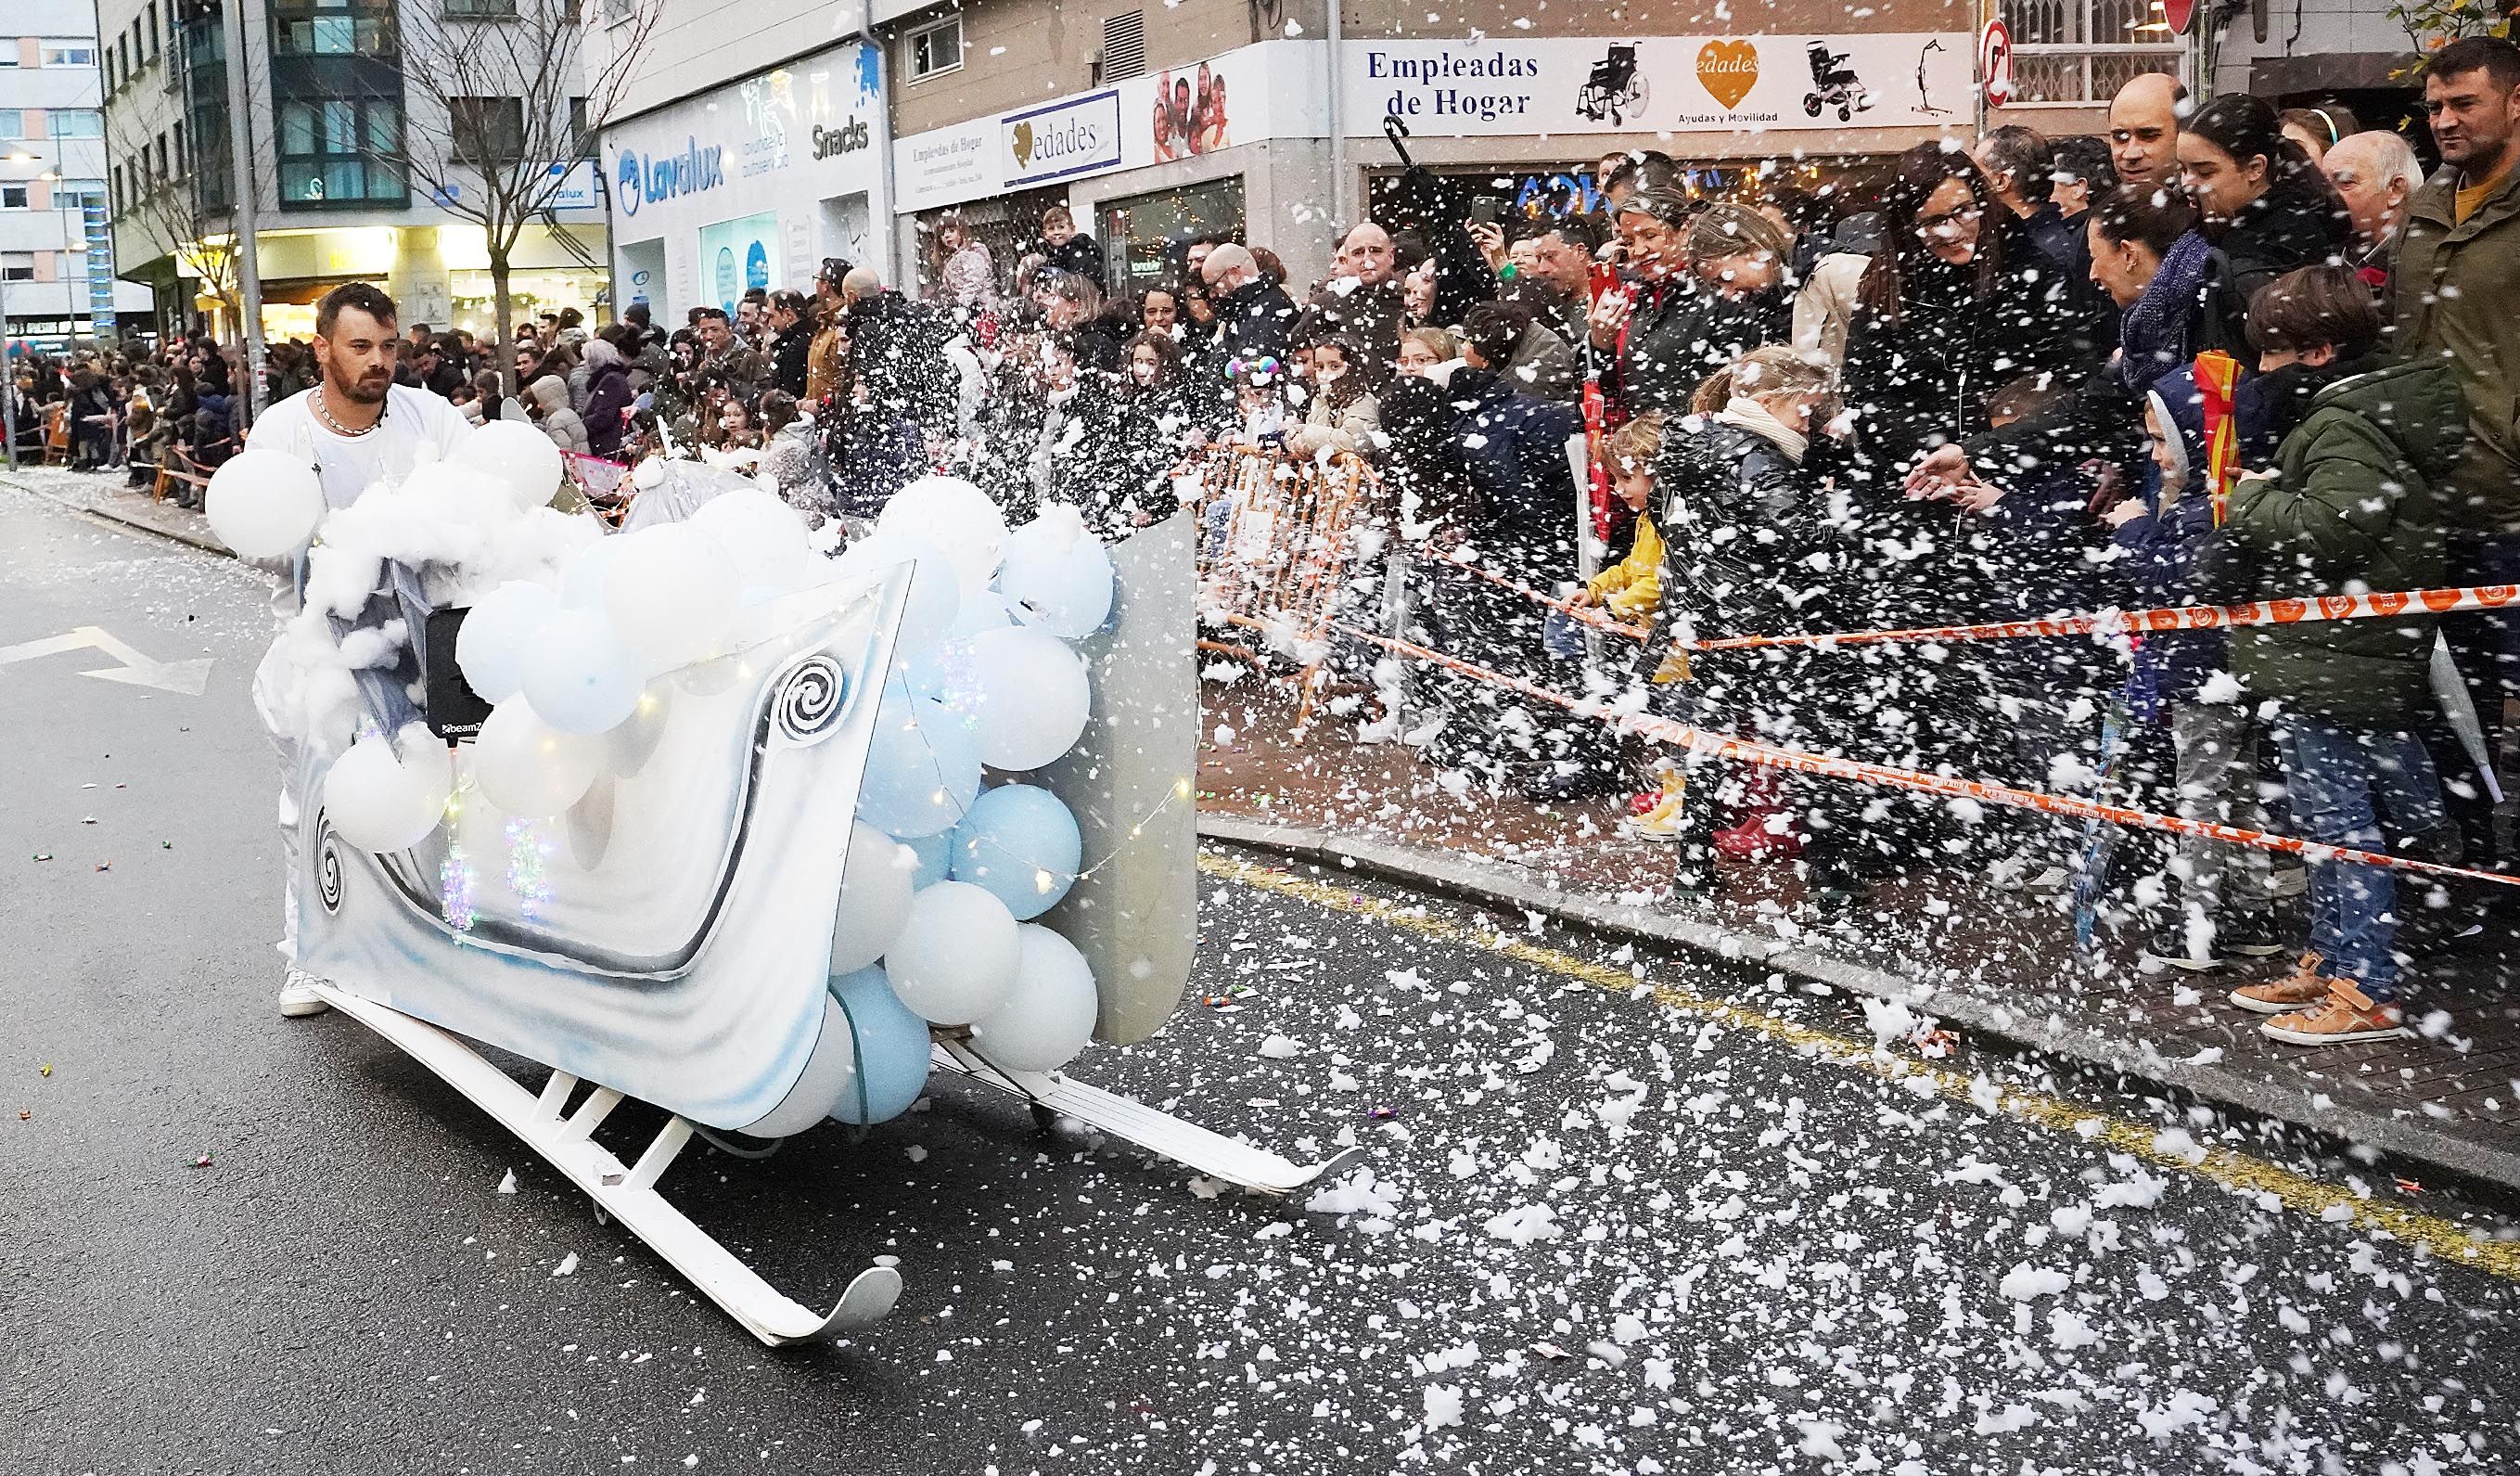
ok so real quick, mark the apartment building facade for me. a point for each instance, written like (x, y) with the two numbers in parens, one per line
(327, 99)
(1245, 117)
(750, 144)
(56, 278)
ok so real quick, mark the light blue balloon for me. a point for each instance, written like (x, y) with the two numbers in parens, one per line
(942, 672)
(923, 769)
(1021, 844)
(935, 855)
(1068, 589)
(891, 1048)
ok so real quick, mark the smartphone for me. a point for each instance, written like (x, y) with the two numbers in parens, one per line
(1487, 209)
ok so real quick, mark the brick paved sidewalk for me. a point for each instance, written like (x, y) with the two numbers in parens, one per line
(1993, 958)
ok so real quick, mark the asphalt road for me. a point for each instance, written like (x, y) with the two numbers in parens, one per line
(1602, 1231)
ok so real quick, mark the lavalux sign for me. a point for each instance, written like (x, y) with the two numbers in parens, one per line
(639, 180)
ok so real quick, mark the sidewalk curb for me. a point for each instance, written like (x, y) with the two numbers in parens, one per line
(1481, 881)
(116, 516)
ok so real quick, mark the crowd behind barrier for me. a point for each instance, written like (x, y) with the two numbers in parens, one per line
(2221, 356)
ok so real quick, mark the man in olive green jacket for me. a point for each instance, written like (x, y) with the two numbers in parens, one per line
(2457, 298)
(2349, 509)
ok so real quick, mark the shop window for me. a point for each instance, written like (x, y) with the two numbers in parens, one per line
(935, 47)
(1146, 237)
(325, 150)
(2083, 51)
(69, 53)
(487, 132)
(1124, 47)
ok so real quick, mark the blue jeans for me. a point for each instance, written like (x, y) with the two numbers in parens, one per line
(2333, 776)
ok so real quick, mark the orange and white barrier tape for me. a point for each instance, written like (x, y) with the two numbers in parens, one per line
(1583, 613)
(1746, 751)
(2324, 607)
(2309, 608)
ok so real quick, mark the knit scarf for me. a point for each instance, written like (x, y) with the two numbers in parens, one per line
(2152, 338)
(1749, 415)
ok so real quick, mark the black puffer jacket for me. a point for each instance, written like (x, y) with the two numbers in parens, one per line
(1750, 547)
(2288, 227)
(1679, 332)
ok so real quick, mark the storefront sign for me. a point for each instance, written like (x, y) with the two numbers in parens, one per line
(947, 165)
(1648, 84)
(1250, 94)
(748, 183)
(1061, 141)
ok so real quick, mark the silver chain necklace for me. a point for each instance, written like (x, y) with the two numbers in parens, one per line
(325, 415)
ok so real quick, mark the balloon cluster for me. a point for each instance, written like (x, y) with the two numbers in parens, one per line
(561, 667)
(944, 877)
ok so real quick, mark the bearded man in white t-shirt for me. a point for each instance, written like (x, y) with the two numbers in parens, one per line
(357, 427)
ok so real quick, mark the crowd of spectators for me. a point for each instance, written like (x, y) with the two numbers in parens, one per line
(1970, 391)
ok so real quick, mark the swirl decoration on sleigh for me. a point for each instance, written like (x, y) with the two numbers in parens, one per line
(696, 815)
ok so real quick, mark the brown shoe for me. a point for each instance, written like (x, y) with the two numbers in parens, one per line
(2349, 1017)
(2298, 990)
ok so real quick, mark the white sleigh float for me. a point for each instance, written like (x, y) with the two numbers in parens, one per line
(680, 950)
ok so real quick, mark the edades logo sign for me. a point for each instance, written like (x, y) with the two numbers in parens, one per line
(660, 177)
(1062, 140)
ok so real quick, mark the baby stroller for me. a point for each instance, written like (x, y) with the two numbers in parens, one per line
(1614, 87)
(1834, 85)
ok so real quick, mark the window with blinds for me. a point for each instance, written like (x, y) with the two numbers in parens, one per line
(1124, 47)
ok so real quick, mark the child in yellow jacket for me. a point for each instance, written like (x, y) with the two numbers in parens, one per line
(1631, 589)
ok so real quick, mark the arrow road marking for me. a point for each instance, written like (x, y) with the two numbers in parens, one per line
(185, 678)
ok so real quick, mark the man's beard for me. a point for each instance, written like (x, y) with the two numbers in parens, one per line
(357, 393)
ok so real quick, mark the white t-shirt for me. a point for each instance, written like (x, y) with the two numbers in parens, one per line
(350, 465)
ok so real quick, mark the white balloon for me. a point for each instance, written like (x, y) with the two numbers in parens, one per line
(1049, 1013)
(264, 504)
(1060, 573)
(519, 456)
(529, 769)
(428, 764)
(672, 593)
(765, 536)
(379, 803)
(875, 894)
(956, 957)
(1033, 696)
(491, 648)
(581, 583)
(954, 515)
(936, 587)
(578, 677)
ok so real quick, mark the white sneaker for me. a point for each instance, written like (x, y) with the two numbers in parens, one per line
(298, 996)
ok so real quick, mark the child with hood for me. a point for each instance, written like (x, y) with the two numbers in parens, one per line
(2168, 552)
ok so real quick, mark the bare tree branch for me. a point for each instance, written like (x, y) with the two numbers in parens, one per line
(488, 133)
